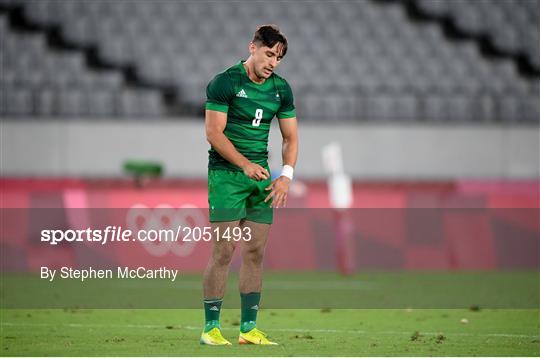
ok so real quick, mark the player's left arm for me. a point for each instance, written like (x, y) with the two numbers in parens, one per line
(280, 186)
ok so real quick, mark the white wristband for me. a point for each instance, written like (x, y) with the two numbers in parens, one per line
(287, 171)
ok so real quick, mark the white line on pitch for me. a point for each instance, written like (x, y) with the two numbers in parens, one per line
(275, 285)
(294, 330)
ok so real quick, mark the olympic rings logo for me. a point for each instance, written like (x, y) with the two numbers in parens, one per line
(164, 216)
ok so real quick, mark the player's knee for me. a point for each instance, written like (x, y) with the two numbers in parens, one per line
(223, 257)
(254, 255)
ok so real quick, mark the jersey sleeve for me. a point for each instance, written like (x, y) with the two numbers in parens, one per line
(219, 93)
(287, 109)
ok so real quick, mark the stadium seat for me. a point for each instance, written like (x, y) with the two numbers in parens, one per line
(18, 102)
(42, 81)
(510, 25)
(46, 103)
(72, 103)
(140, 103)
(101, 103)
(371, 53)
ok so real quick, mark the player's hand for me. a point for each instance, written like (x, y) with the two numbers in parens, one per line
(279, 189)
(255, 171)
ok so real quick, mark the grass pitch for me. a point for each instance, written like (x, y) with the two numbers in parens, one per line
(301, 332)
(452, 314)
(518, 290)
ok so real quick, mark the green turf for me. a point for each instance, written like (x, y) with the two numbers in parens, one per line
(395, 314)
(303, 332)
(286, 290)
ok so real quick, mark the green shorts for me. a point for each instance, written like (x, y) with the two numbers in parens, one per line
(234, 196)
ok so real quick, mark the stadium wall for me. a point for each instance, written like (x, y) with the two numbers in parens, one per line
(461, 226)
(97, 149)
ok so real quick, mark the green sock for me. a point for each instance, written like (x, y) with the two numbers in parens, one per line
(212, 309)
(250, 307)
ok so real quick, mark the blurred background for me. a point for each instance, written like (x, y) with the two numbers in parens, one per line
(433, 105)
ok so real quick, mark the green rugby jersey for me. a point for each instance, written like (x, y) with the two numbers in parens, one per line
(250, 108)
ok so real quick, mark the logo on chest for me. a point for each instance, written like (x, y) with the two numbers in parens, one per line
(242, 94)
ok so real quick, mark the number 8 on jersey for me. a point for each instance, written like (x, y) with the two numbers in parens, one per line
(258, 116)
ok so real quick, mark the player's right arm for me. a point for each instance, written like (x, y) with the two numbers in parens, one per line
(215, 122)
(219, 94)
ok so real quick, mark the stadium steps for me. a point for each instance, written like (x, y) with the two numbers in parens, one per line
(448, 23)
(400, 69)
(56, 41)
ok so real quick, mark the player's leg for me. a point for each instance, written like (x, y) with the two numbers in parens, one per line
(215, 282)
(217, 270)
(259, 216)
(226, 199)
(252, 258)
(250, 283)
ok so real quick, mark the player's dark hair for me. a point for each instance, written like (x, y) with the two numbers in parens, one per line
(269, 35)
